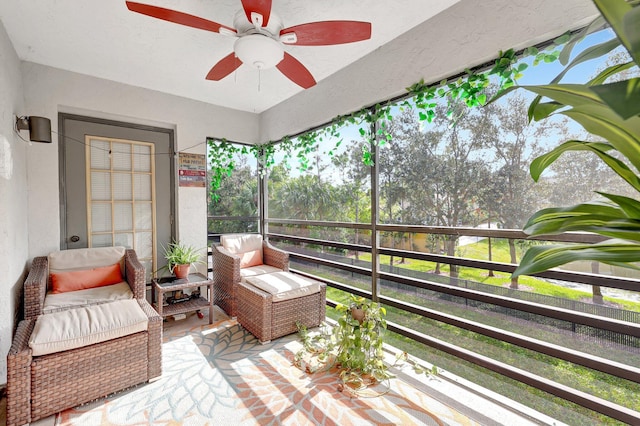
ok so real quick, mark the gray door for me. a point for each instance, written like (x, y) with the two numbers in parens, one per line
(116, 186)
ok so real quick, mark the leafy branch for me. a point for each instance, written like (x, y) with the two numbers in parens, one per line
(373, 122)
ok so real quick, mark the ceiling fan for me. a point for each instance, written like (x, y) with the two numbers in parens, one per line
(260, 38)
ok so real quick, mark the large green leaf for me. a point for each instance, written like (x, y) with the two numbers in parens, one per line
(623, 135)
(588, 54)
(604, 219)
(595, 25)
(592, 52)
(613, 252)
(622, 96)
(610, 71)
(541, 110)
(630, 206)
(623, 19)
(567, 94)
(559, 214)
(540, 164)
(631, 24)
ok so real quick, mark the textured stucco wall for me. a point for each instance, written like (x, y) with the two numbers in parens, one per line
(48, 91)
(13, 197)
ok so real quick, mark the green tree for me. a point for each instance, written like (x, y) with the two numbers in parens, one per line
(434, 171)
(237, 196)
(353, 190)
(510, 195)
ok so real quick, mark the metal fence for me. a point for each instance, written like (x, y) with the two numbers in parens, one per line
(590, 333)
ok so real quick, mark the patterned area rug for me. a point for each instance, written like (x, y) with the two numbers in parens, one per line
(221, 375)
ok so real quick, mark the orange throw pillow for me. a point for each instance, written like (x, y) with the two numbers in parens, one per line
(63, 282)
(251, 258)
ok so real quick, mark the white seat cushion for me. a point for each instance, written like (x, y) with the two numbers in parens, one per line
(91, 296)
(258, 270)
(284, 285)
(75, 328)
(85, 258)
(241, 243)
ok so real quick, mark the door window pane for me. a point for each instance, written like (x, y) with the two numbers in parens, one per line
(100, 217)
(124, 240)
(100, 154)
(123, 217)
(142, 158)
(143, 216)
(121, 200)
(100, 186)
(121, 156)
(101, 240)
(142, 187)
(122, 189)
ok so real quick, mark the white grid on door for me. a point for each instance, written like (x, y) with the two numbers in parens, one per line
(121, 196)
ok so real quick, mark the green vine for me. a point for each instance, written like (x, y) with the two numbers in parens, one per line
(374, 121)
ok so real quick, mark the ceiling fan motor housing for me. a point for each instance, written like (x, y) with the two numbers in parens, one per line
(259, 51)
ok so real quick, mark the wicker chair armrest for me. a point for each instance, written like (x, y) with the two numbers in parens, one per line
(19, 375)
(151, 313)
(275, 257)
(226, 265)
(35, 287)
(20, 343)
(135, 274)
(154, 343)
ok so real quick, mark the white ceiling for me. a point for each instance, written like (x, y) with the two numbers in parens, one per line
(103, 38)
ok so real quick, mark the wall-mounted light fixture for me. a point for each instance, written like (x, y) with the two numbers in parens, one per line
(39, 128)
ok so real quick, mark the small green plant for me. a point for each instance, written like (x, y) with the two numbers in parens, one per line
(404, 357)
(178, 253)
(354, 345)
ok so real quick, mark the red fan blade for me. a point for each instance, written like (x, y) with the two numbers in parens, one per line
(296, 72)
(177, 17)
(261, 7)
(224, 67)
(325, 33)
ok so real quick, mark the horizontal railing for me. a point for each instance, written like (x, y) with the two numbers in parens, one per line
(471, 295)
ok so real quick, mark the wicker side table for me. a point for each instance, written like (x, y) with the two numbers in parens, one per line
(168, 284)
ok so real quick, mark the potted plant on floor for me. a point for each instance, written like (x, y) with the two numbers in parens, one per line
(354, 345)
(180, 257)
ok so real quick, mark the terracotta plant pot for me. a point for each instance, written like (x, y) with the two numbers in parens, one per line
(181, 271)
(357, 314)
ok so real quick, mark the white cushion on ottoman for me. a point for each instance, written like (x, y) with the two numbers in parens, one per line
(284, 285)
(75, 328)
(252, 271)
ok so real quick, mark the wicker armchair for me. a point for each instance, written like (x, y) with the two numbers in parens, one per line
(39, 386)
(237, 257)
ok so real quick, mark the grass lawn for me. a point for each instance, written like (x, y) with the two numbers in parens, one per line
(500, 253)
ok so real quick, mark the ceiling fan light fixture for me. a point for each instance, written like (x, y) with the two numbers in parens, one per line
(259, 51)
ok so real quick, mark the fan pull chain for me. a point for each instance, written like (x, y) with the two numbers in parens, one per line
(259, 79)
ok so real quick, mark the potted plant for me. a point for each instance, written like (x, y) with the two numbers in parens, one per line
(180, 257)
(611, 111)
(354, 345)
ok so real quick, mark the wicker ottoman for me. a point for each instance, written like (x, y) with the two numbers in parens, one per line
(268, 306)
